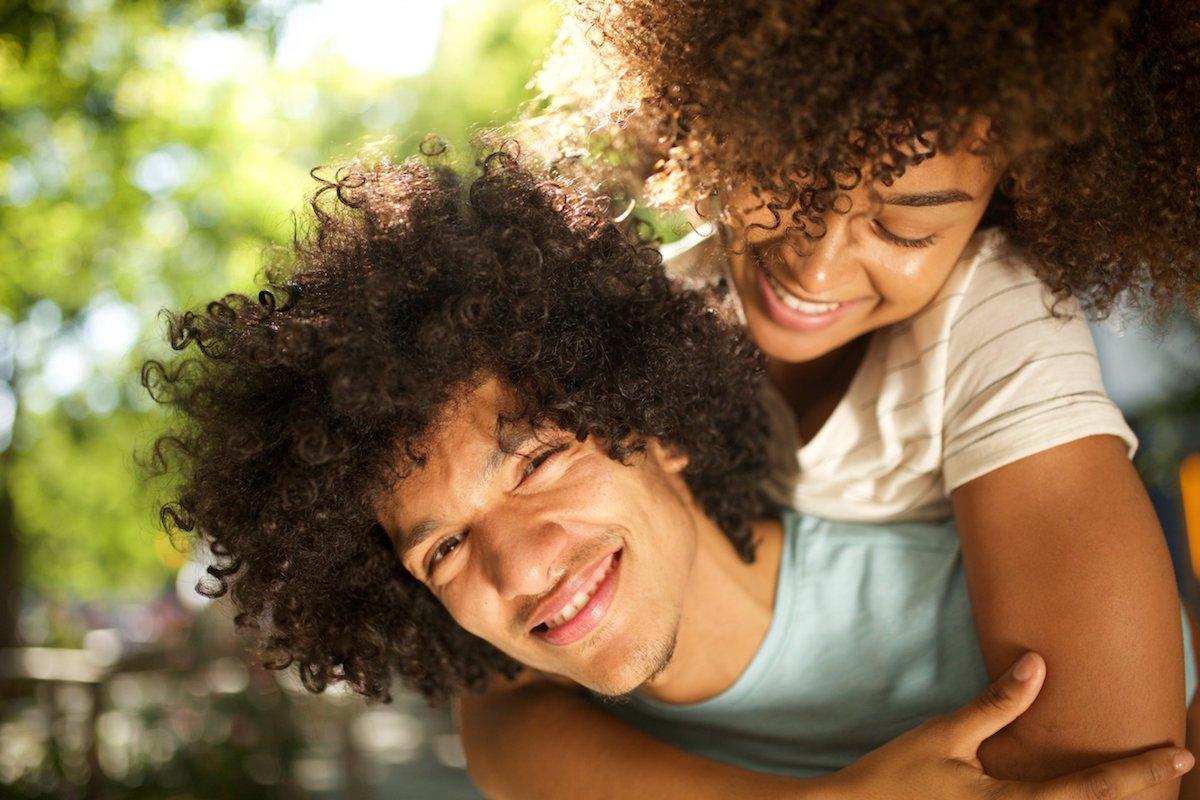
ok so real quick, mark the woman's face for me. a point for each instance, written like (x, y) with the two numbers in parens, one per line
(879, 263)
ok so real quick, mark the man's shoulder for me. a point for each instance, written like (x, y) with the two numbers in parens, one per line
(807, 528)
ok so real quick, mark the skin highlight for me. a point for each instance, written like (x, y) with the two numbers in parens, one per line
(885, 258)
(543, 519)
(532, 528)
(1092, 107)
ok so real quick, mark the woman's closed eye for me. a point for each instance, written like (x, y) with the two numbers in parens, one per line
(902, 241)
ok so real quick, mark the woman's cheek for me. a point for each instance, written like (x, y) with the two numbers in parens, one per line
(908, 285)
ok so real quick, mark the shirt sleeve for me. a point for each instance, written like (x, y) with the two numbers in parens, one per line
(1021, 375)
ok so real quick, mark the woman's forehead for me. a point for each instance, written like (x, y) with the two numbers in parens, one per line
(962, 172)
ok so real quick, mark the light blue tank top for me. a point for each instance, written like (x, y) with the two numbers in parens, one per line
(872, 634)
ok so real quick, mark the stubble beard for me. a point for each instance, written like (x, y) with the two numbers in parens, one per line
(656, 658)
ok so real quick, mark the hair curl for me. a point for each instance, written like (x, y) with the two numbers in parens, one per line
(297, 408)
(1092, 105)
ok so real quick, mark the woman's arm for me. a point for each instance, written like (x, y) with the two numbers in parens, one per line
(541, 739)
(1064, 555)
(537, 739)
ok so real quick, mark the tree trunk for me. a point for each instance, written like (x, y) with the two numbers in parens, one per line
(10, 560)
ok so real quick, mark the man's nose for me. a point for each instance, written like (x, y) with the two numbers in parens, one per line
(523, 554)
(825, 264)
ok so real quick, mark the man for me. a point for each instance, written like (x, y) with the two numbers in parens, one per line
(459, 438)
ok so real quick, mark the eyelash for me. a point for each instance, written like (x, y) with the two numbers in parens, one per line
(900, 240)
(441, 552)
(539, 459)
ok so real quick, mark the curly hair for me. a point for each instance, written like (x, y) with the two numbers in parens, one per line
(1092, 108)
(295, 410)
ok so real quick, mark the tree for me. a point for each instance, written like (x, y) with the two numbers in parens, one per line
(149, 152)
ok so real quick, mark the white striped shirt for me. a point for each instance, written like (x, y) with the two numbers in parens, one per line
(989, 372)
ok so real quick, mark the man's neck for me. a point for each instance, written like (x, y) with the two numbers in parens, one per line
(727, 608)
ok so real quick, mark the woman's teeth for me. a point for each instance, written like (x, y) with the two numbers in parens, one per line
(795, 303)
(580, 600)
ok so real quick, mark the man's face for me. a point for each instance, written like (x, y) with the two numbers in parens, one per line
(879, 263)
(566, 560)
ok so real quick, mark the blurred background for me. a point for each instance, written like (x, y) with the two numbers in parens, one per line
(149, 151)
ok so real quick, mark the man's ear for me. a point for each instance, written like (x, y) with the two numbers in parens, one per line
(669, 457)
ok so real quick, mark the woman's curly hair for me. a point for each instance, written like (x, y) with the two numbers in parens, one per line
(1092, 107)
(298, 408)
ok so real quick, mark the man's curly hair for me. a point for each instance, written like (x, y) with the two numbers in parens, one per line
(298, 408)
(1092, 107)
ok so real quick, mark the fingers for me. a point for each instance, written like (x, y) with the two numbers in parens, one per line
(1117, 779)
(999, 704)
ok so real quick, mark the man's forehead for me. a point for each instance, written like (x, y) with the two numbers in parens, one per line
(475, 407)
(472, 411)
(466, 443)
(467, 428)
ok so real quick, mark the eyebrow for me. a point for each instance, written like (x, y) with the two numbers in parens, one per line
(923, 199)
(507, 445)
(419, 533)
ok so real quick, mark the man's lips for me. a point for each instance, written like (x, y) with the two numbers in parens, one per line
(568, 588)
(597, 583)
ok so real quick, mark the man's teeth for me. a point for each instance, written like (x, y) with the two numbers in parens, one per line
(795, 303)
(580, 600)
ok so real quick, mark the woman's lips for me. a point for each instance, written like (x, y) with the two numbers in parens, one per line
(783, 314)
(589, 616)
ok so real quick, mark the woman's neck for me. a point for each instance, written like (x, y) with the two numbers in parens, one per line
(814, 388)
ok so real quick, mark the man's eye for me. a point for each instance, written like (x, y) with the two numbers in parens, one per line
(887, 235)
(541, 458)
(444, 548)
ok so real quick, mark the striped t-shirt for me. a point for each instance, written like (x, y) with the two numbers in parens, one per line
(989, 372)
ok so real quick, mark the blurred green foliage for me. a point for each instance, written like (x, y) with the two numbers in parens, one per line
(149, 152)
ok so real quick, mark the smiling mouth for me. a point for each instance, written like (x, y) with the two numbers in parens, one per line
(584, 609)
(795, 303)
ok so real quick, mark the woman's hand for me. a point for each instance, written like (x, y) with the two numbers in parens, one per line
(939, 758)
(534, 738)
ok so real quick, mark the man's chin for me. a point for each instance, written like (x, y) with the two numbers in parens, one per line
(640, 668)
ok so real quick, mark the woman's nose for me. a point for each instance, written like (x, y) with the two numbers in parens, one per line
(826, 263)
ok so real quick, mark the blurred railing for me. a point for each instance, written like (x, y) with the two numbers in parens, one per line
(165, 723)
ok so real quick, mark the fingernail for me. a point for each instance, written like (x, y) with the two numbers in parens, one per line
(1024, 669)
(1183, 761)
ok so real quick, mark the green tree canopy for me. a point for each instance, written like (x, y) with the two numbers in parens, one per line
(149, 152)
